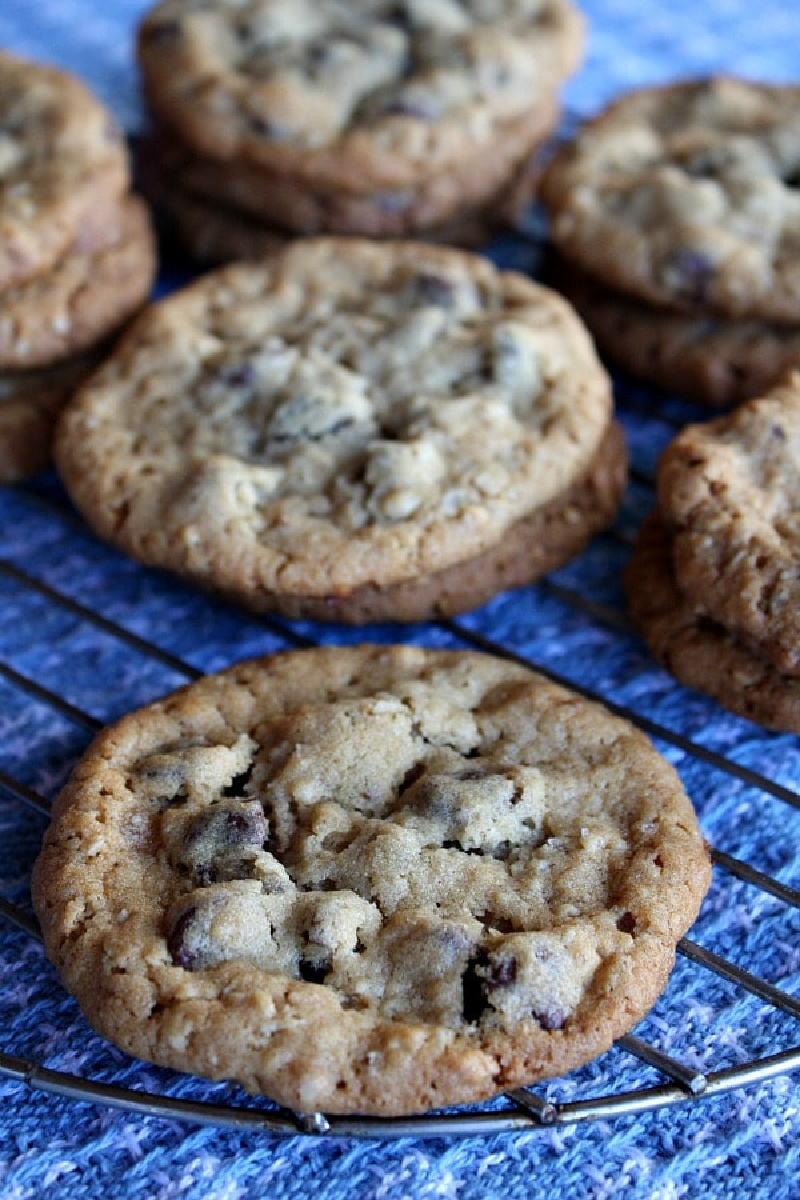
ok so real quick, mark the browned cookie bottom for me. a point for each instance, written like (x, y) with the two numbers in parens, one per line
(714, 361)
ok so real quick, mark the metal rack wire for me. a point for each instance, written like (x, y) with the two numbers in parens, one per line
(524, 1108)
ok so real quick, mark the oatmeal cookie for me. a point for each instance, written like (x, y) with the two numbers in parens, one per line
(63, 168)
(376, 880)
(342, 415)
(697, 650)
(686, 196)
(368, 96)
(729, 492)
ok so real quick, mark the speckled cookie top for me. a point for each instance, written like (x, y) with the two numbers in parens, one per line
(405, 878)
(82, 298)
(730, 493)
(338, 415)
(361, 95)
(688, 196)
(62, 166)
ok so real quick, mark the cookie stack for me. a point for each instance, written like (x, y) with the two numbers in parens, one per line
(677, 213)
(350, 430)
(713, 581)
(374, 117)
(76, 252)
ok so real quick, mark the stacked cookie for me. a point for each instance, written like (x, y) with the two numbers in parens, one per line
(350, 430)
(76, 252)
(713, 581)
(677, 213)
(374, 117)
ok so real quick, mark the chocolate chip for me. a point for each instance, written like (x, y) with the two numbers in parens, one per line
(181, 955)
(503, 972)
(241, 376)
(693, 270)
(431, 288)
(554, 1018)
(626, 923)
(313, 972)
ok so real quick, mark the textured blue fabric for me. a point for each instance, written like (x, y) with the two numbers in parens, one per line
(745, 1143)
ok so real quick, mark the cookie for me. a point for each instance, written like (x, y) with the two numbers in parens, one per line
(81, 298)
(63, 168)
(282, 200)
(697, 650)
(376, 880)
(29, 404)
(343, 415)
(686, 196)
(711, 360)
(729, 492)
(365, 97)
(214, 234)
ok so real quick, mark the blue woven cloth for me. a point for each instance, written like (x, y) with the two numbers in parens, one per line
(744, 1143)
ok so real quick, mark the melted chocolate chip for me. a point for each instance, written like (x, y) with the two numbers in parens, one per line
(694, 270)
(312, 972)
(626, 923)
(180, 954)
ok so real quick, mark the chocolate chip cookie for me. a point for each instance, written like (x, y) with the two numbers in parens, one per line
(343, 419)
(729, 494)
(367, 96)
(63, 168)
(376, 880)
(686, 196)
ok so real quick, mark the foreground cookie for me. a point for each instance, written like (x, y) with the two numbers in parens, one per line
(63, 167)
(715, 361)
(369, 880)
(729, 492)
(686, 197)
(336, 430)
(697, 650)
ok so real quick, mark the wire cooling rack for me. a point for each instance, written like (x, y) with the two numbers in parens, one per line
(55, 575)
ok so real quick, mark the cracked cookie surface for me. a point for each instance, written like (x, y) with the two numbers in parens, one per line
(687, 196)
(359, 96)
(63, 167)
(730, 496)
(369, 880)
(340, 415)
